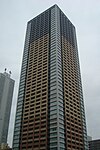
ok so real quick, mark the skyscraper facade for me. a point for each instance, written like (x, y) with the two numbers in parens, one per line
(50, 109)
(6, 93)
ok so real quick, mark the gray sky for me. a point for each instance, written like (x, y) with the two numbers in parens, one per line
(85, 15)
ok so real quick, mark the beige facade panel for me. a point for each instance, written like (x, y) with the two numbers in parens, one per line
(73, 121)
(35, 113)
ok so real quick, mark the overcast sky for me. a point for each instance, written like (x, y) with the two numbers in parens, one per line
(85, 15)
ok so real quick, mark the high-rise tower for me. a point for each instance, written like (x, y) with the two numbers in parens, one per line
(6, 93)
(50, 110)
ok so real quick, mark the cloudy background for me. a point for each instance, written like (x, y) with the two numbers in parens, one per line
(85, 15)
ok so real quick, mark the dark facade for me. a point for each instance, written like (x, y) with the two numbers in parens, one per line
(50, 110)
(94, 144)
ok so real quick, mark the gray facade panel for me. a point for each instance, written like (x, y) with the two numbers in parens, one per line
(6, 93)
(56, 91)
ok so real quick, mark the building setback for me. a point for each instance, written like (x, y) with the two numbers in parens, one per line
(6, 93)
(50, 109)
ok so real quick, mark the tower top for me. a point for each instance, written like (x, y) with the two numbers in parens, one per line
(7, 74)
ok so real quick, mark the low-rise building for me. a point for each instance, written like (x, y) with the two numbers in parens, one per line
(94, 144)
(4, 146)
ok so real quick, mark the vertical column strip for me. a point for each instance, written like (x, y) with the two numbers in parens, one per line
(21, 93)
(57, 139)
